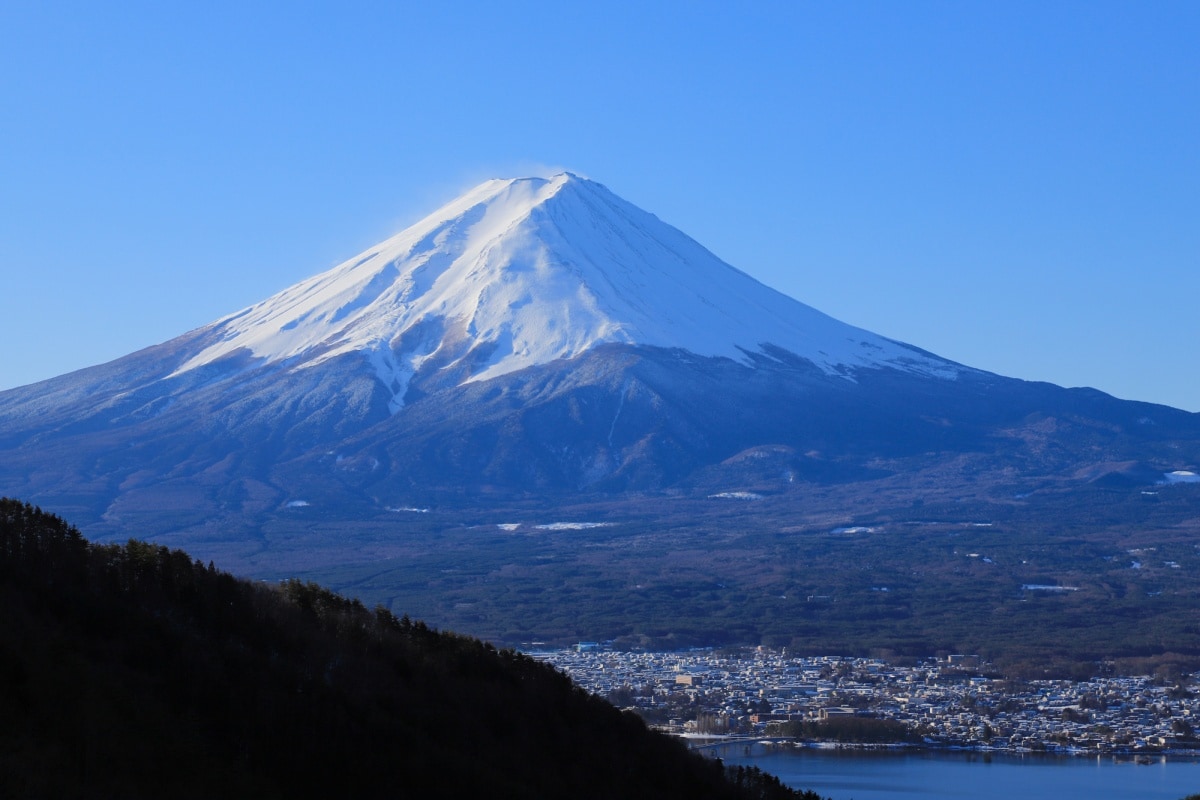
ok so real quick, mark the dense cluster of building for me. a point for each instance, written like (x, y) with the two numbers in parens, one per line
(945, 702)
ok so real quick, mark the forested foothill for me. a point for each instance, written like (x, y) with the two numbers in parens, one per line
(135, 671)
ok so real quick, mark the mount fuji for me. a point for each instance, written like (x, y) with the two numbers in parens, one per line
(538, 348)
(520, 273)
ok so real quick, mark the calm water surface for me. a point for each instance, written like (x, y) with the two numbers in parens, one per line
(857, 775)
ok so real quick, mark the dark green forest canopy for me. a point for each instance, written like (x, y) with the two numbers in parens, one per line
(135, 671)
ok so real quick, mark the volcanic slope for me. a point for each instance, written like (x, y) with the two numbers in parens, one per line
(518, 273)
(538, 352)
(517, 298)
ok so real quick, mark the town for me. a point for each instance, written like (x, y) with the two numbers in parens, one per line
(946, 702)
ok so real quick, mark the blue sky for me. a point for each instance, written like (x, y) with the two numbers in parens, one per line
(1012, 185)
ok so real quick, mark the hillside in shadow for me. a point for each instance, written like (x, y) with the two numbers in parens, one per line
(135, 671)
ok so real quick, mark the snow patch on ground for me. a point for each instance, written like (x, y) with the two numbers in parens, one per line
(735, 496)
(299, 504)
(508, 526)
(408, 509)
(1181, 476)
(1045, 587)
(391, 374)
(573, 526)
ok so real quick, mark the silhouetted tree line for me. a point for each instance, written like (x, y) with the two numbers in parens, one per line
(133, 670)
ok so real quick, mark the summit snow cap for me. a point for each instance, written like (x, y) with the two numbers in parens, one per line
(525, 271)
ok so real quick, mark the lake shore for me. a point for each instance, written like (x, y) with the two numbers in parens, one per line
(702, 742)
(902, 773)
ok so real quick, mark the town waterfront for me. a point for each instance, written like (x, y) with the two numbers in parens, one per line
(946, 775)
(938, 703)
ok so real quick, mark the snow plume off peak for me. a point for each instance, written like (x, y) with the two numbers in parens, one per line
(525, 271)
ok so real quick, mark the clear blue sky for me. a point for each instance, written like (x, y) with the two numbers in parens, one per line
(1013, 185)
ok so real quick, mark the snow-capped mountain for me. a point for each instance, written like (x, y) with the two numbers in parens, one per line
(517, 273)
(536, 338)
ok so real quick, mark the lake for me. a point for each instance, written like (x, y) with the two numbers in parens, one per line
(943, 775)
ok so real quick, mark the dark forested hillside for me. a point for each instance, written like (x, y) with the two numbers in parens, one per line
(135, 671)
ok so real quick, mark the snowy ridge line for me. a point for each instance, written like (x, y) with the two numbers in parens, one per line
(526, 271)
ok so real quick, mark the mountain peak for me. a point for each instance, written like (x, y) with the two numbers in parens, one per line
(524, 271)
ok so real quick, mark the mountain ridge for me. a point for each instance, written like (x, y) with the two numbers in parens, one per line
(519, 272)
(313, 450)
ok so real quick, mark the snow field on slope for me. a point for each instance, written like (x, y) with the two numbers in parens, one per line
(537, 270)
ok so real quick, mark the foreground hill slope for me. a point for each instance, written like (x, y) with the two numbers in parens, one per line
(134, 671)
